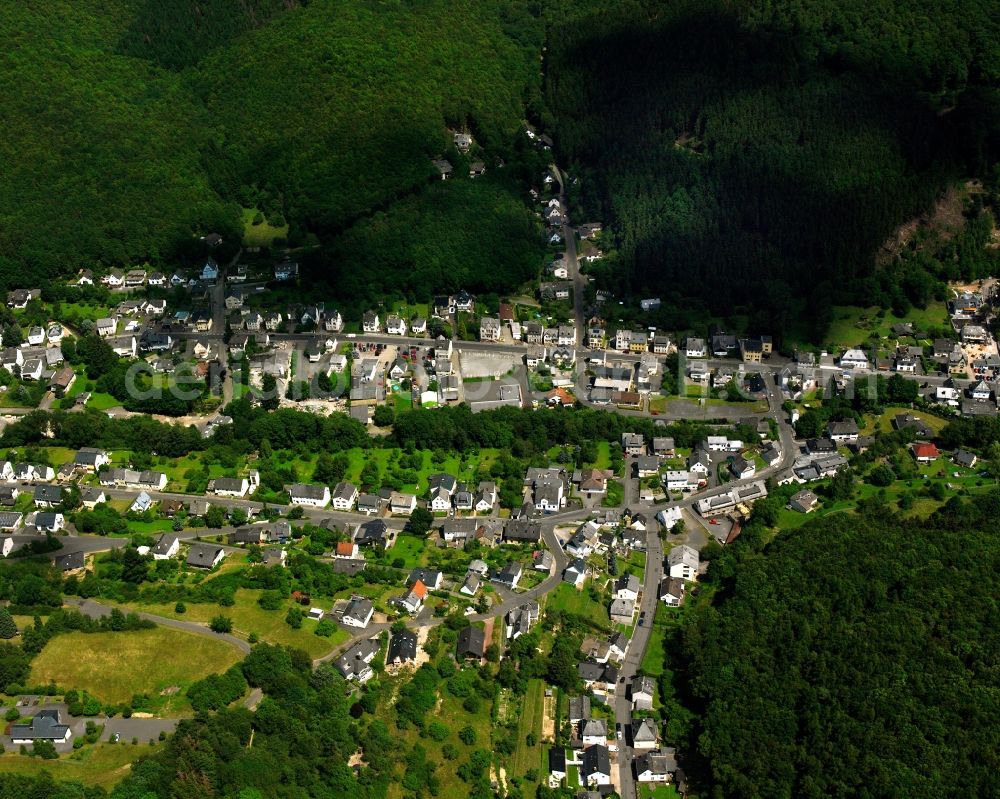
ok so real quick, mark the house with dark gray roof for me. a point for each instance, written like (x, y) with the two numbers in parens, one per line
(47, 496)
(656, 766)
(205, 556)
(402, 648)
(44, 726)
(354, 663)
(316, 496)
(70, 562)
(373, 533)
(579, 708)
(359, 612)
(596, 767)
(166, 546)
(471, 643)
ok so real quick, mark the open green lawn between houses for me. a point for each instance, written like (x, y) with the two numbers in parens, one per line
(852, 325)
(658, 792)
(529, 720)
(652, 659)
(114, 666)
(883, 422)
(955, 479)
(571, 600)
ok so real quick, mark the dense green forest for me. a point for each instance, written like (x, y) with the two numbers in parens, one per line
(130, 125)
(854, 656)
(756, 155)
(458, 234)
(750, 158)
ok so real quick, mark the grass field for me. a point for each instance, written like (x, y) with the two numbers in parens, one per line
(884, 422)
(652, 659)
(260, 235)
(462, 468)
(853, 325)
(955, 480)
(530, 720)
(603, 455)
(115, 666)
(410, 548)
(103, 765)
(569, 599)
(249, 617)
(658, 792)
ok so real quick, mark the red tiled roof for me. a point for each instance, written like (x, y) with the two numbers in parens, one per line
(925, 450)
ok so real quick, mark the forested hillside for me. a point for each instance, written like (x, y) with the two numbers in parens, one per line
(129, 125)
(855, 656)
(756, 154)
(101, 154)
(458, 234)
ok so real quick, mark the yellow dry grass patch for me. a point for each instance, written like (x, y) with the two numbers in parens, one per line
(114, 666)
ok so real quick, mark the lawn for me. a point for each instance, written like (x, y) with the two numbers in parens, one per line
(72, 311)
(116, 665)
(683, 405)
(249, 617)
(410, 548)
(103, 402)
(402, 401)
(658, 792)
(884, 421)
(615, 495)
(657, 403)
(57, 455)
(569, 599)
(452, 464)
(853, 325)
(603, 455)
(103, 765)
(260, 235)
(652, 659)
(529, 721)
(967, 480)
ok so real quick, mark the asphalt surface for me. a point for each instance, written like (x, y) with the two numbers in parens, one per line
(633, 660)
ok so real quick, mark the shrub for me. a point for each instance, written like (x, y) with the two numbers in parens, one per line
(294, 618)
(221, 624)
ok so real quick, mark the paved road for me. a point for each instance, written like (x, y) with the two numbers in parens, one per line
(633, 660)
(579, 281)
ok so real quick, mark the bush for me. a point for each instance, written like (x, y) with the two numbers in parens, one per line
(294, 618)
(326, 628)
(180, 607)
(270, 600)
(44, 749)
(438, 731)
(467, 735)
(221, 624)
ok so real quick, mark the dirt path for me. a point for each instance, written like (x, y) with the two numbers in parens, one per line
(549, 718)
